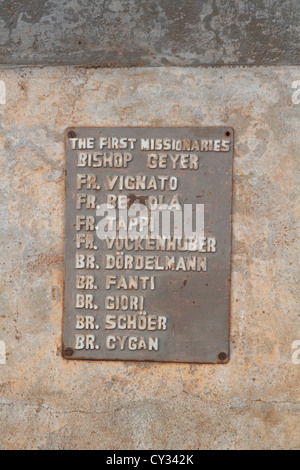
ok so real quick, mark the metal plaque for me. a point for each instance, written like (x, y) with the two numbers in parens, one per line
(148, 244)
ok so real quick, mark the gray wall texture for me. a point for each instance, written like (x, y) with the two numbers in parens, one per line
(120, 33)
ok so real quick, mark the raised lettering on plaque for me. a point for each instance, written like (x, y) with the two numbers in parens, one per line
(148, 244)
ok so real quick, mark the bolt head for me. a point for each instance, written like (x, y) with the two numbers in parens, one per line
(222, 356)
(69, 351)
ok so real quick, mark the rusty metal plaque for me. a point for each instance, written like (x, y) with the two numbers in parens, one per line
(148, 244)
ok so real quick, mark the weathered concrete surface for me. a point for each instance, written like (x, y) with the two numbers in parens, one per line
(50, 403)
(122, 33)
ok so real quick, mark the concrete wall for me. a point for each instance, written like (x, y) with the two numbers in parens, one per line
(47, 402)
(118, 33)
